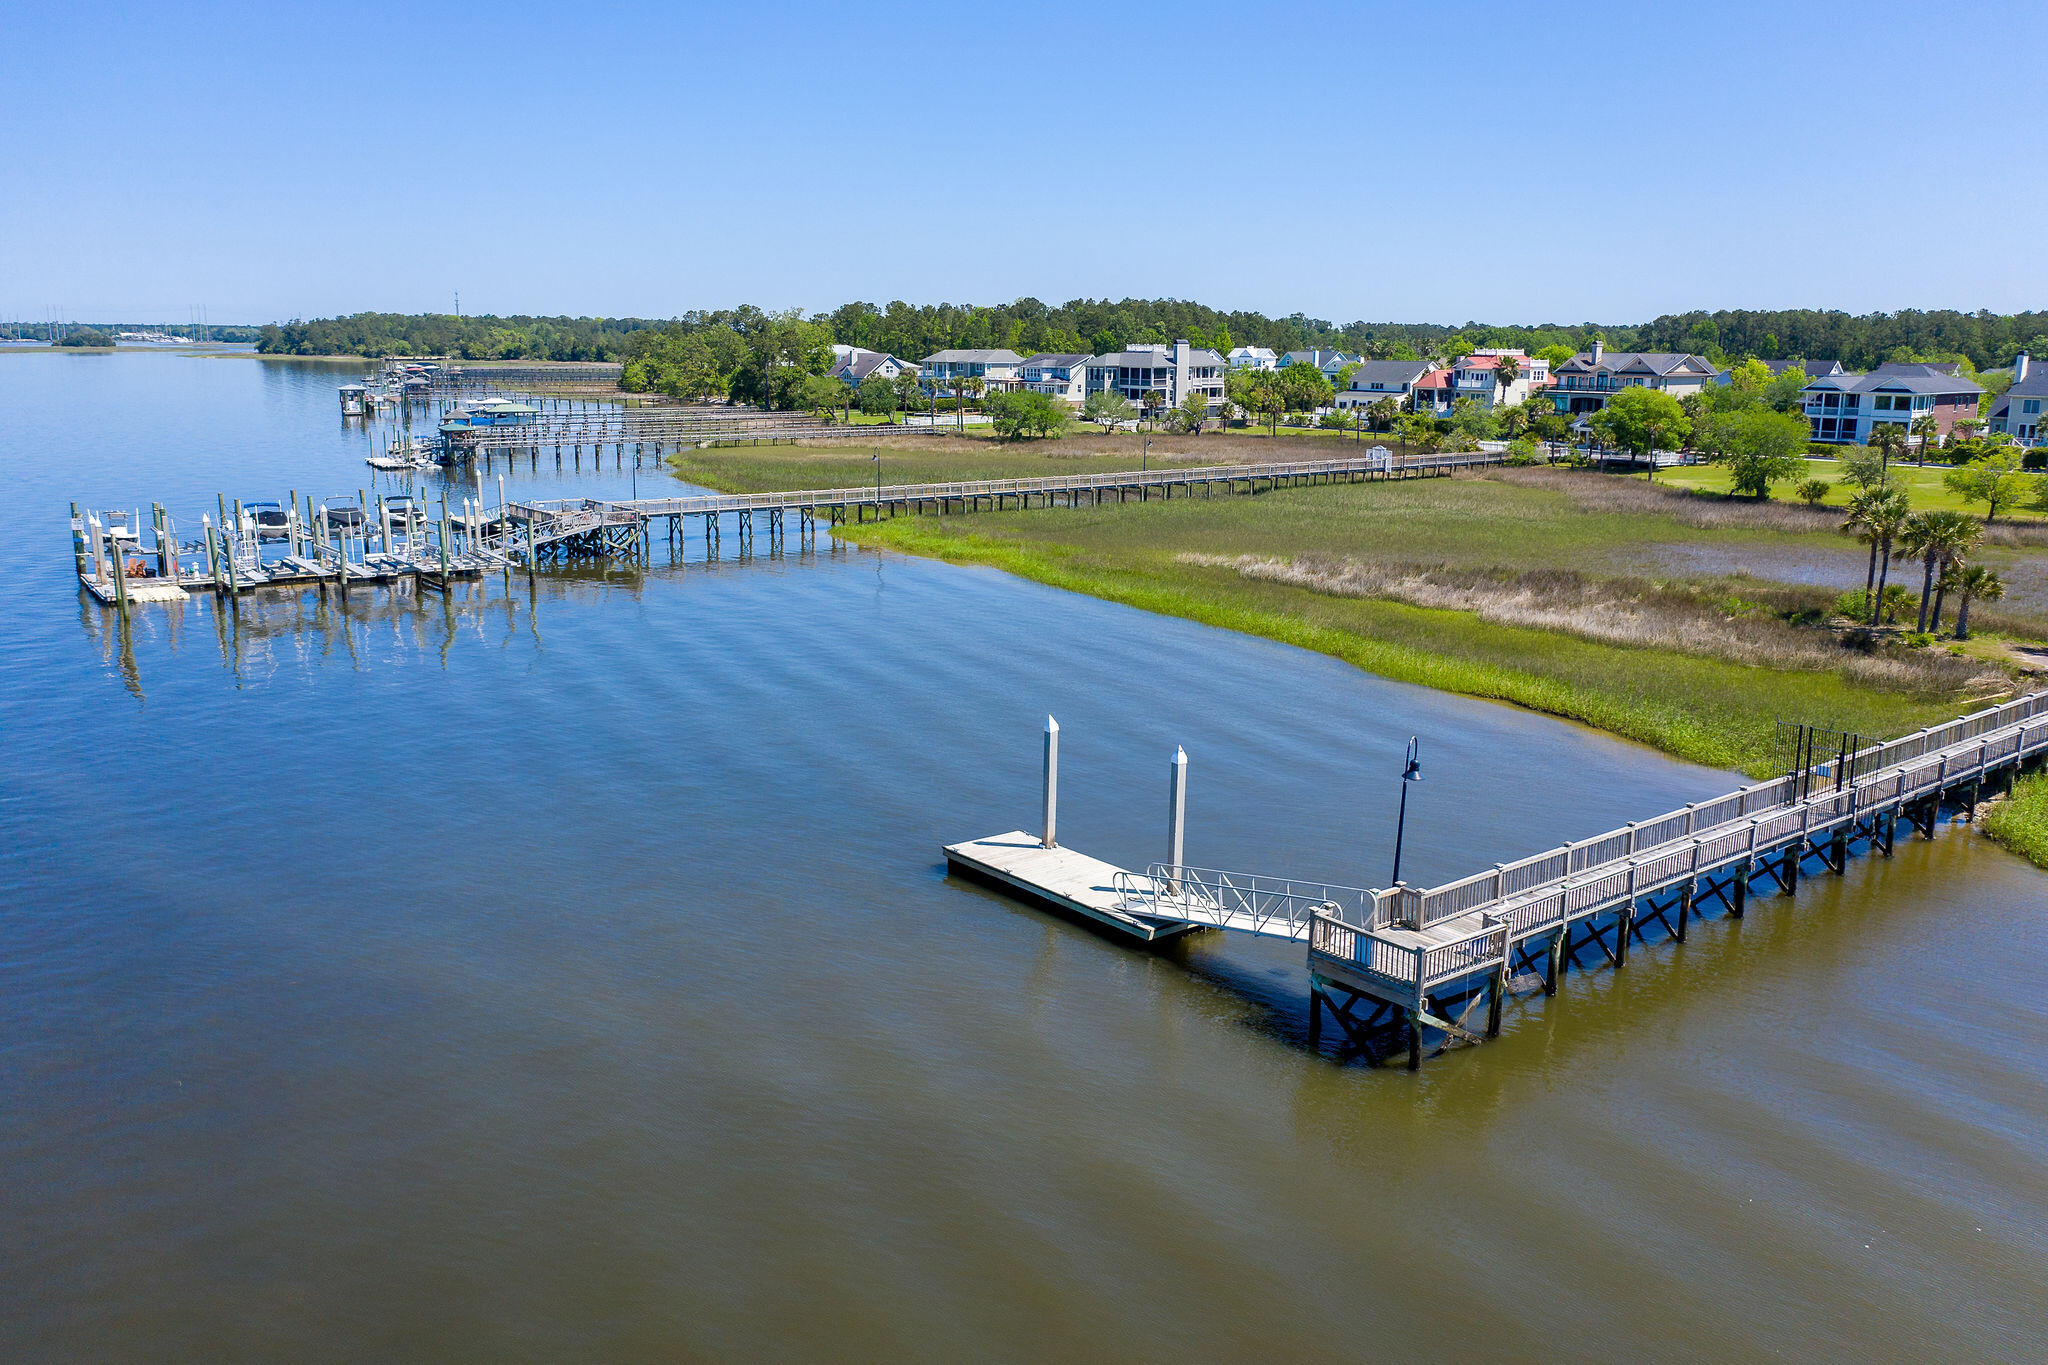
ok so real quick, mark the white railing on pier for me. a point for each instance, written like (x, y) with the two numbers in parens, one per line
(870, 496)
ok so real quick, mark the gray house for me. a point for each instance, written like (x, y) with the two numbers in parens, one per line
(1176, 371)
(997, 368)
(1586, 381)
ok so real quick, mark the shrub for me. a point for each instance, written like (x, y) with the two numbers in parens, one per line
(1854, 604)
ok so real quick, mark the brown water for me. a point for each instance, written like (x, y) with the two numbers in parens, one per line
(570, 973)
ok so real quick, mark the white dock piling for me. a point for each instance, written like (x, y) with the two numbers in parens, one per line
(1176, 808)
(1052, 782)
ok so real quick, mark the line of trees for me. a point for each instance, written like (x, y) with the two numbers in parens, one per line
(1981, 340)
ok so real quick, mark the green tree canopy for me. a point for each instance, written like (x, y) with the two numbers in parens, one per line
(1642, 420)
(1762, 448)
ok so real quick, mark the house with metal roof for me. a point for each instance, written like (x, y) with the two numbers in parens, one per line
(1586, 381)
(996, 369)
(2018, 411)
(1841, 409)
(1175, 371)
(1253, 358)
(1375, 380)
(1061, 375)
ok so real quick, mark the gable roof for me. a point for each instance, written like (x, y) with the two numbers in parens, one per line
(1662, 363)
(2035, 385)
(861, 364)
(1812, 369)
(1388, 374)
(1057, 358)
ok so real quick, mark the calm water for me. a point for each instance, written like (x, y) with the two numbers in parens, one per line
(571, 972)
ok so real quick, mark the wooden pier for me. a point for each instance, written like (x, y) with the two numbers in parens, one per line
(361, 540)
(1402, 970)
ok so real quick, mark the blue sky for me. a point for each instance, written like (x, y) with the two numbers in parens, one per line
(1500, 162)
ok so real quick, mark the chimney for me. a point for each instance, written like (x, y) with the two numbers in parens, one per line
(1180, 353)
(1598, 349)
(2019, 367)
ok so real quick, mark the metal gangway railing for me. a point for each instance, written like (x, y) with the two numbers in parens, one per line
(1272, 907)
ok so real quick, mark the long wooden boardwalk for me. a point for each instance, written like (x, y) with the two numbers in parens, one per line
(1420, 964)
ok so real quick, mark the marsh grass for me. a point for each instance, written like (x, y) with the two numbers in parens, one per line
(1639, 614)
(2021, 823)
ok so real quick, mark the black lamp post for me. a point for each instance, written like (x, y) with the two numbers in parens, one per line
(878, 481)
(1411, 773)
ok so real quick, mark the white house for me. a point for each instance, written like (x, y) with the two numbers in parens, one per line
(1063, 376)
(1253, 358)
(1331, 363)
(1175, 371)
(1374, 380)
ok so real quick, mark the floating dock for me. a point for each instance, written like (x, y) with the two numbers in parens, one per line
(1068, 881)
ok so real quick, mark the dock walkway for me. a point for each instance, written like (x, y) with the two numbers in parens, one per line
(1427, 958)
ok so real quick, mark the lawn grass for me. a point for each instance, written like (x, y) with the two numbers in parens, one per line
(1922, 484)
(1181, 558)
(2021, 824)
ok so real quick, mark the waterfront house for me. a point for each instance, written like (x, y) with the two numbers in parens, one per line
(997, 369)
(1175, 371)
(853, 364)
(1584, 383)
(1253, 358)
(2018, 412)
(1060, 375)
(1841, 409)
(1374, 380)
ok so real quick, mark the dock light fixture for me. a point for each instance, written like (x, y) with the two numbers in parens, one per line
(1412, 772)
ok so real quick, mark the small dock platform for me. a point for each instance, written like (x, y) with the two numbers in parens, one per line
(1061, 878)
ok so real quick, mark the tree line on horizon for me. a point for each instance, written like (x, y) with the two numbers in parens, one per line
(1983, 340)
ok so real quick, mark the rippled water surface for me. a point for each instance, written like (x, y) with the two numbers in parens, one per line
(569, 970)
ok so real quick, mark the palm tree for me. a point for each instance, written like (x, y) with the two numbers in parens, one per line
(1887, 438)
(1929, 432)
(1507, 372)
(1865, 509)
(1887, 517)
(1940, 539)
(1962, 538)
(1976, 584)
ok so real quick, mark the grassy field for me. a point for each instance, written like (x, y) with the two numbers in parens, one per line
(2021, 824)
(1523, 585)
(1922, 485)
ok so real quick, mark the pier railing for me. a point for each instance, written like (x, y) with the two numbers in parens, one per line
(1888, 774)
(869, 496)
